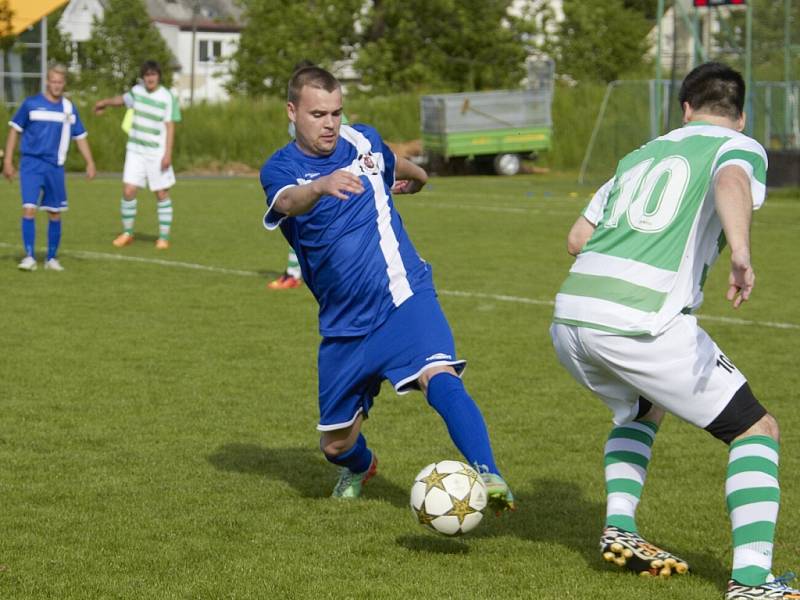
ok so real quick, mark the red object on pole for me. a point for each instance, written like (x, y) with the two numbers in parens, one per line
(718, 2)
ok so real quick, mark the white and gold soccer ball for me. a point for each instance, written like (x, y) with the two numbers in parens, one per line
(448, 497)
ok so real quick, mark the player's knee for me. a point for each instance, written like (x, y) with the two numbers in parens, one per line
(428, 374)
(334, 448)
(742, 417)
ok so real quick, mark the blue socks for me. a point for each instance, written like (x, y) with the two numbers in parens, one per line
(358, 458)
(53, 238)
(446, 394)
(28, 235)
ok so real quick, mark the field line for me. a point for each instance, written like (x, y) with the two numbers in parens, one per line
(454, 293)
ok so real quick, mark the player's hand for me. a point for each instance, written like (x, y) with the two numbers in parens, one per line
(407, 186)
(166, 161)
(340, 184)
(99, 107)
(91, 171)
(8, 171)
(741, 280)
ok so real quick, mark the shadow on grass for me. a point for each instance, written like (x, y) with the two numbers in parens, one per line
(428, 543)
(303, 469)
(556, 512)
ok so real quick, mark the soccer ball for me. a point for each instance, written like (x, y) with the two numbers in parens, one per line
(448, 497)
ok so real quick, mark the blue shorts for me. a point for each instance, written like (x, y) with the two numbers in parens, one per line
(42, 184)
(414, 338)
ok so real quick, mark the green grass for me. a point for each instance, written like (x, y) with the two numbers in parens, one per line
(157, 428)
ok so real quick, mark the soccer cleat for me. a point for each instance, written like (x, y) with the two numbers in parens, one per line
(123, 239)
(162, 244)
(630, 551)
(498, 493)
(775, 587)
(27, 264)
(349, 484)
(285, 282)
(52, 264)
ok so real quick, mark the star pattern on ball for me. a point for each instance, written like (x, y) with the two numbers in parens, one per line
(470, 474)
(434, 480)
(424, 517)
(461, 509)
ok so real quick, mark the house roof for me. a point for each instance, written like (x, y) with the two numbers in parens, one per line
(210, 15)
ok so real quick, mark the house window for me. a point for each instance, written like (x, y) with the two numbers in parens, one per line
(210, 50)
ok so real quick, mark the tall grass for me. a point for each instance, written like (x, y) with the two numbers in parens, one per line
(247, 131)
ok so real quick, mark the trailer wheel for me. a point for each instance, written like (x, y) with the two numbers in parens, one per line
(507, 164)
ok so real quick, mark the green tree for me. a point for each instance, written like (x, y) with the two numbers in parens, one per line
(277, 35)
(121, 41)
(768, 38)
(59, 46)
(599, 41)
(6, 15)
(449, 44)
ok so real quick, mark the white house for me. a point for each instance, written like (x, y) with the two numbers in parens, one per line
(202, 36)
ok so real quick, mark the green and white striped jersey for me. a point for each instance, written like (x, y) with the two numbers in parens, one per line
(148, 134)
(657, 231)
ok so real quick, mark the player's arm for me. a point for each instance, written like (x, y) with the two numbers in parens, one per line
(166, 161)
(579, 234)
(734, 204)
(8, 158)
(86, 152)
(409, 178)
(299, 199)
(584, 226)
(103, 104)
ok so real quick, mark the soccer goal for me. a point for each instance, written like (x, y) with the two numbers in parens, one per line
(633, 112)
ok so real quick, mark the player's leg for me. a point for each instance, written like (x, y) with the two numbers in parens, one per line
(347, 448)
(418, 352)
(627, 449)
(28, 227)
(752, 493)
(447, 395)
(133, 178)
(160, 182)
(31, 182)
(54, 202)
(164, 219)
(291, 278)
(345, 397)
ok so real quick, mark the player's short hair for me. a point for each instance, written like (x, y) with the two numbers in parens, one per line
(57, 68)
(715, 88)
(148, 66)
(313, 76)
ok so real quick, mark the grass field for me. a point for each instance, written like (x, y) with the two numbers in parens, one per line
(158, 410)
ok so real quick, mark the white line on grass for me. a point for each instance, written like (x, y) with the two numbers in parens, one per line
(455, 293)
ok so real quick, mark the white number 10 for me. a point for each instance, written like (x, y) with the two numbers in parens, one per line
(636, 188)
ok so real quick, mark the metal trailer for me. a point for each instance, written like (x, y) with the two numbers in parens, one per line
(497, 126)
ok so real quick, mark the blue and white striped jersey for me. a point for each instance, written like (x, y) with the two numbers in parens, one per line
(355, 255)
(47, 128)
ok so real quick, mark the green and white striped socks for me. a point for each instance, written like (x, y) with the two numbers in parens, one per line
(293, 267)
(753, 498)
(627, 454)
(164, 218)
(128, 211)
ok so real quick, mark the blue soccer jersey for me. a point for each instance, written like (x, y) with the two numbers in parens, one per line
(47, 128)
(355, 255)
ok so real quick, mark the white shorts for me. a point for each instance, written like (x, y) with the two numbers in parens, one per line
(141, 169)
(680, 370)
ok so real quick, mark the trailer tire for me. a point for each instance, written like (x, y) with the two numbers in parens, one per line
(507, 164)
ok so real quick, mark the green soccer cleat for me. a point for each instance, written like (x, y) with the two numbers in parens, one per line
(349, 484)
(498, 493)
(628, 550)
